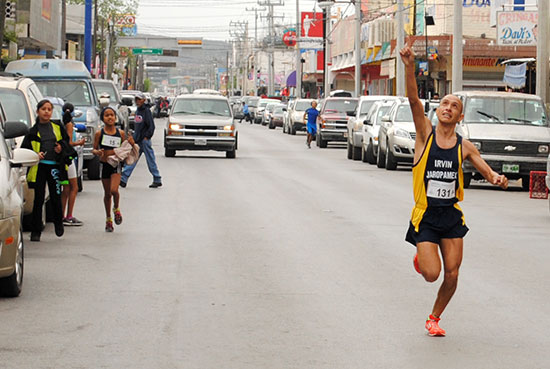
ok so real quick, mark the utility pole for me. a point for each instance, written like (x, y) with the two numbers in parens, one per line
(543, 71)
(326, 44)
(400, 73)
(88, 34)
(255, 47)
(457, 46)
(357, 48)
(63, 27)
(270, 5)
(298, 90)
(239, 30)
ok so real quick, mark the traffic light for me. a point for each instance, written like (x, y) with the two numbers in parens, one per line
(10, 9)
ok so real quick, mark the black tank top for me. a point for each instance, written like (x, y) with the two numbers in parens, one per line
(110, 142)
(442, 172)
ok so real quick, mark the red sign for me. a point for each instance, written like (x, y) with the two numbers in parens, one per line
(312, 24)
(289, 38)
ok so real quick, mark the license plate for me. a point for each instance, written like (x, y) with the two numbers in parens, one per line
(510, 168)
(200, 141)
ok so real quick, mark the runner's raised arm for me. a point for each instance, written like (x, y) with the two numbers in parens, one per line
(422, 123)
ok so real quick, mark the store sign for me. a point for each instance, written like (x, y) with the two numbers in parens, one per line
(312, 24)
(289, 37)
(517, 28)
(125, 20)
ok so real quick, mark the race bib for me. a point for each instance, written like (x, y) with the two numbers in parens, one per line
(111, 141)
(441, 190)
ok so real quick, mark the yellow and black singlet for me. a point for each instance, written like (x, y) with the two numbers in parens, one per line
(438, 180)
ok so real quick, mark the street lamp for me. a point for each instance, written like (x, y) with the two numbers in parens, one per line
(428, 21)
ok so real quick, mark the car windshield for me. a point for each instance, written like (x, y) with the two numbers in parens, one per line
(15, 106)
(340, 106)
(202, 106)
(505, 111)
(253, 103)
(404, 113)
(106, 88)
(365, 107)
(383, 110)
(278, 109)
(302, 105)
(75, 92)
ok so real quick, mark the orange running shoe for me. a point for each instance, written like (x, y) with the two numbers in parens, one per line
(432, 326)
(415, 263)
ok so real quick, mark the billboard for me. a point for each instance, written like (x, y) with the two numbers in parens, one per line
(517, 28)
(312, 24)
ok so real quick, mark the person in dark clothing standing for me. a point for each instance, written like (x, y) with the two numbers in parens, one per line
(44, 138)
(144, 130)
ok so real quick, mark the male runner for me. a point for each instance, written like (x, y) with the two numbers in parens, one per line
(437, 222)
(310, 117)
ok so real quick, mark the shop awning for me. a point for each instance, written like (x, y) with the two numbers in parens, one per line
(369, 55)
(291, 80)
(386, 50)
(378, 56)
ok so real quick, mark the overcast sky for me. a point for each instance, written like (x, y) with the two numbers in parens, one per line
(208, 18)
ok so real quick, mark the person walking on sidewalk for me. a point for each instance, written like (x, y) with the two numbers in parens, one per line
(144, 130)
(44, 138)
(71, 190)
(105, 141)
(310, 117)
(437, 222)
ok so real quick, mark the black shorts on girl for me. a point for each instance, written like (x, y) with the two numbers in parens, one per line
(107, 170)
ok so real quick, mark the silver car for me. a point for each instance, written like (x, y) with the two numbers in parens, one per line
(396, 137)
(371, 128)
(11, 206)
(296, 112)
(200, 122)
(355, 124)
(260, 108)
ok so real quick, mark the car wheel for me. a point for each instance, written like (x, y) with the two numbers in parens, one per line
(369, 153)
(169, 153)
(356, 153)
(525, 183)
(322, 143)
(271, 125)
(350, 149)
(391, 163)
(380, 158)
(467, 179)
(93, 168)
(11, 286)
(231, 154)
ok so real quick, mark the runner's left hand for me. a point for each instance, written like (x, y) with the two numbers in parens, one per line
(500, 180)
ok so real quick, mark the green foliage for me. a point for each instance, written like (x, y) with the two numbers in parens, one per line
(111, 8)
(10, 36)
(147, 85)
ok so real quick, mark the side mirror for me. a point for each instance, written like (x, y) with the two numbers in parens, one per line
(78, 113)
(80, 127)
(386, 119)
(15, 129)
(24, 158)
(127, 100)
(285, 109)
(367, 122)
(350, 113)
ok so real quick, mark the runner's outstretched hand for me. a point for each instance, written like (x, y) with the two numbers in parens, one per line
(407, 53)
(500, 180)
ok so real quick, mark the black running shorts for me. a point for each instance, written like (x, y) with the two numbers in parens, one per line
(107, 170)
(438, 223)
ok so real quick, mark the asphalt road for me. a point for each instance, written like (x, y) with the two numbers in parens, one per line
(282, 258)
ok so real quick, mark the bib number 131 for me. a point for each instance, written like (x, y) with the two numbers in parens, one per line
(441, 190)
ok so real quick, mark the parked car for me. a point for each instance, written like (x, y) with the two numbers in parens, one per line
(510, 130)
(396, 137)
(259, 116)
(70, 81)
(295, 121)
(268, 113)
(332, 123)
(355, 124)
(200, 122)
(105, 87)
(207, 91)
(340, 93)
(371, 127)
(277, 116)
(11, 206)
(252, 102)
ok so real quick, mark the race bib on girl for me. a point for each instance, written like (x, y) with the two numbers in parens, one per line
(111, 141)
(441, 190)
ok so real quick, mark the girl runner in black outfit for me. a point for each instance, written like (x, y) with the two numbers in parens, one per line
(106, 140)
